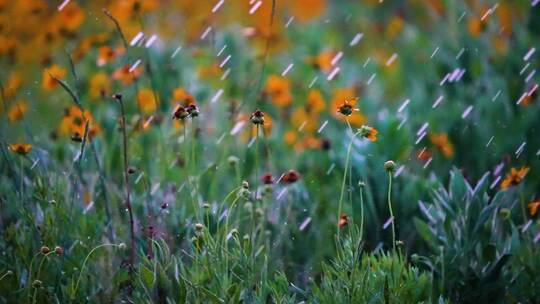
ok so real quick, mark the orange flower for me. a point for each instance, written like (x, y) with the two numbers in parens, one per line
(73, 123)
(125, 76)
(475, 26)
(278, 88)
(100, 85)
(394, 28)
(48, 82)
(20, 148)
(305, 10)
(290, 137)
(344, 96)
(533, 207)
(300, 117)
(343, 220)
(315, 101)
(442, 143)
(514, 177)
(323, 61)
(369, 133)
(182, 96)
(105, 54)
(17, 111)
(424, 155)
(12, 85)
(71, 17)
(146, 101)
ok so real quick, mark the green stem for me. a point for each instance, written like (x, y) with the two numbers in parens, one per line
(361, 213)
(340, 204)
(22, 182)
(84, 265)
(391, 212)
(38, 273)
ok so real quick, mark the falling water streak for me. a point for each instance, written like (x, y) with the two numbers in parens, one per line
(313, 81)
(34, 164)
(366, 62)
(224, 62)
(460, 53)
(422, 152)
(422, 129)
(280, 194)
(237, 127)
(136, 39)
(461, 17)
(524, 68)
(453, 76)
(61, 6)
(487, 13)
(537, 237)
(526, 226)
(225, 74)
(420, 138)
(404, 105)
(321, 128)
(538, 153)
(287, 69)
(530, 76)
(332, 166)
(332, 74)
(437, 102)
(255, 7)
(529, 54)
(496, 96)
(336, 58)
(521, 98)
(220, 139)
(251, 142)
(391, 59)
(289, 22)
(155, 188)
(427, 163)
(216, 96)
(495, 182)
(217, 6)
(498, 169)
(304, 224)
(466, 112)
(371, 78)
(443, 81)
(280, 177)
(534, 2)
(206, 32)
(461, 73)
(176, 51)
(356, 39)
(434, 52)
(520, 149)
(302, 126)
(387, 223)
(490, 140)
(425, 210)
(151, 41)
(134, 66)
(532, 90)
(399, 171)
(402, 123)
(221, 51)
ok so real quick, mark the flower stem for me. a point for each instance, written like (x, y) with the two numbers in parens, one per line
(128, 201)
(340, 204)
(391, 211)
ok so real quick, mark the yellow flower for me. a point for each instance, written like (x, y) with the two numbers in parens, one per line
(514, 177)
(182, 96)
(20, 148)
(323, 61)
(146, 101)
(73, 123)
(342, 100)
(71, 17)
(278, 89)
(442, 143)
(48, 82)
(17, 111)
(100, 85)
(305, 10)
(301, 117)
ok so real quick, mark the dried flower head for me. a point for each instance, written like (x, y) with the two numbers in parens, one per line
(58, 250)
(199, 227)
(290, 177)
(20, 148)
(180, 113)
(389, 166)
(193, 110)
(257, 117)
(45, 250)
(368, 132)
(267, 179)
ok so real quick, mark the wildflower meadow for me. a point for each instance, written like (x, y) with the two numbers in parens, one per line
(269, 151)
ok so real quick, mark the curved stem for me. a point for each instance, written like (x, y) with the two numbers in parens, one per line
(84, 264)
(38, 273)
(340, 204)
(391, 212)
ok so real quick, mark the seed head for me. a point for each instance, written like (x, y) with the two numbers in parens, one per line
(389, 166)
(58, 250)
(45, 250)
(257, 117)
(199, 227)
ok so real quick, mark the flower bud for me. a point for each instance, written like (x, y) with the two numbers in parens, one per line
(389, 166)
(58, 250)
(45, 250)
